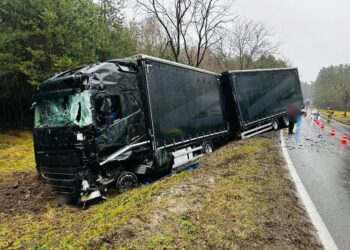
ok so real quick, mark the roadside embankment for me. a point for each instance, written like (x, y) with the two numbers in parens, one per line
(240, 197)
(338, 116)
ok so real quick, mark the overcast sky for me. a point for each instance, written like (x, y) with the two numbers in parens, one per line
(313, 33)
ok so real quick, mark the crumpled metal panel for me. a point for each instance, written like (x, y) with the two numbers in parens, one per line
(131, 126)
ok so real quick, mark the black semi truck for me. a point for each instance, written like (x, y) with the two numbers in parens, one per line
(122, 121)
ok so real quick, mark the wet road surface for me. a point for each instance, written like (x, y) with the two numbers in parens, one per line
(323, 165)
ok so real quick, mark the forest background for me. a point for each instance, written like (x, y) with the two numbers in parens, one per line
(40, 38)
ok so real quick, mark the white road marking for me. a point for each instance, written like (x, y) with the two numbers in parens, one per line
(323, 233)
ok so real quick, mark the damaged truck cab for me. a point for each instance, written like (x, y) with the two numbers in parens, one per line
(90, 130)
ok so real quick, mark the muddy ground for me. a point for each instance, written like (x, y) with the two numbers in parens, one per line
(24, 193)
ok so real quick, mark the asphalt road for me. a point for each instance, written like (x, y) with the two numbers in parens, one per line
(323, 165)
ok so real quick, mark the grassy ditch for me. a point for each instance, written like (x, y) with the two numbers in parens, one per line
(240, 197)
(16, 153)
(338, 116)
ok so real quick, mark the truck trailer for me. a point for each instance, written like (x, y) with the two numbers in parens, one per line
(257, 100)
(122, 121)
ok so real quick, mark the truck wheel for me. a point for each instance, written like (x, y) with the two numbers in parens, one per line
(126, 181)
(274, 124)
(207, 147)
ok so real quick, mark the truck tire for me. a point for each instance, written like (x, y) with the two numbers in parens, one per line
(274, 124)
(126, 181)
(207, 147)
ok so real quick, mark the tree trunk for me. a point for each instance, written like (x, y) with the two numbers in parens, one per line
(4, 113)
(345, 108)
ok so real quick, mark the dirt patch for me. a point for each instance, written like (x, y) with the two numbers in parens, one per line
(24, 194)
(109, 239)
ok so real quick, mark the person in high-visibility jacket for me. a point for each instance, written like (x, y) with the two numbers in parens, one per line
(330, 113)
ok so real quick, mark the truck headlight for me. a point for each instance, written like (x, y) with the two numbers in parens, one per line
(80, 137)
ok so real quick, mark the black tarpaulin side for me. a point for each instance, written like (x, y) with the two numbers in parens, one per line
(184, 103)
(261, 94)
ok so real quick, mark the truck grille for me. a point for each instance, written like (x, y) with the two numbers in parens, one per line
(60, 169)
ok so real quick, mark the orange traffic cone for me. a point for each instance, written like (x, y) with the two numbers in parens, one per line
(332, 132)
(344, 139)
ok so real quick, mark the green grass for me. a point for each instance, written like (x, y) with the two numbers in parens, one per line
(338, 116)
(240, 197)
(16, 153)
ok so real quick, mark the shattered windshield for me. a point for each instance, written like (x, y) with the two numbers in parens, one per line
(64, 111)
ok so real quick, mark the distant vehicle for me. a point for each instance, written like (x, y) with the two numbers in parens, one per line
(307, 102)
(126, 120)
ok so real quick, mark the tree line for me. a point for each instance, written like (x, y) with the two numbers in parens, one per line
(39, 38)
(332, 87)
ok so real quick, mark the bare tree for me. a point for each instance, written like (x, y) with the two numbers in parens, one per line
(150, 38)
(192, 25)
(172, 19)
(208, 19)
(249, 41)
